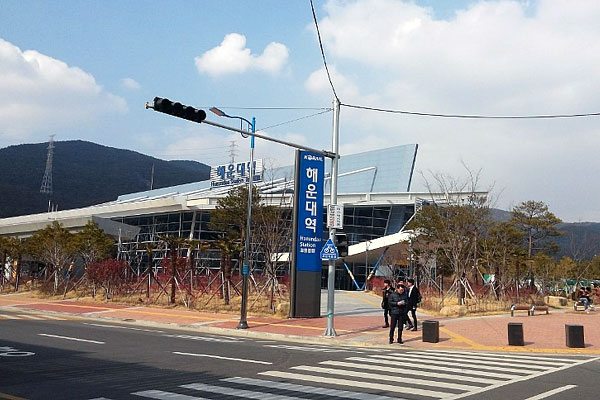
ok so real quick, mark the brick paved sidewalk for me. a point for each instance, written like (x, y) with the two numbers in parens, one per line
(543, 333)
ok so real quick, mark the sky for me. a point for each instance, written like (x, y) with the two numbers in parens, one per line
(84, 70)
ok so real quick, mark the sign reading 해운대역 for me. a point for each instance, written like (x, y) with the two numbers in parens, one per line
(310, 211)
(235, 173)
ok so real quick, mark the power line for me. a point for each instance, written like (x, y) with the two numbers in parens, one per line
(322, 51)
(272, 108)
(295, 120)
(467, 116)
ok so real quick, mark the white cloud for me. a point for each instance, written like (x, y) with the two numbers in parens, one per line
(494, 57)
(42, 93)
(232, 57)
(130, 83)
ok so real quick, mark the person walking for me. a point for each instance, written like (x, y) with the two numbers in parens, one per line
(414, 298)
(397, 302)
(387, 290)
(402, 282)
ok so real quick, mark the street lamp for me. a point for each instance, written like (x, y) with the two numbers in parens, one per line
(243, 324)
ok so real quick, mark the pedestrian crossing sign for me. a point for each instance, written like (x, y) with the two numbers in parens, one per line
(329, 251)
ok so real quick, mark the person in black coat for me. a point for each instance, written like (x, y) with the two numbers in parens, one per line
(397, 302)
(414, 298)
(387, 290)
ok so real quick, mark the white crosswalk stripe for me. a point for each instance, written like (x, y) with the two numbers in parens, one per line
(539, 363)
(307, 389)
(431, 367)
(432, 374)
(36, 317)
(478, 363)
(160, 395)
(408, 372)
(453, 363)
(248, 394)
(495, 355)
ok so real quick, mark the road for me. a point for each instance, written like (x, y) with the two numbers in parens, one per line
(53, 357)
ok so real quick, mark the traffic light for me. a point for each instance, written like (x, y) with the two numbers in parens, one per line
(341, 241)
(177, 109)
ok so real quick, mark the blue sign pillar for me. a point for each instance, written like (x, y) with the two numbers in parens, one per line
(307, 235)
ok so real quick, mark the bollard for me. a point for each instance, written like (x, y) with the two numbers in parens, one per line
(574, 335)
(515, 334)
(431, 331)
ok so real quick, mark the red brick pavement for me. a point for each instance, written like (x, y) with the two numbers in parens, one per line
(541, 332)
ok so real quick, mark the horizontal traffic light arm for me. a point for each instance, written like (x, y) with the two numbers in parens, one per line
(196, 115)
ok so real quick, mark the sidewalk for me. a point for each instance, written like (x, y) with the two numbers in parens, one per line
(542, 333)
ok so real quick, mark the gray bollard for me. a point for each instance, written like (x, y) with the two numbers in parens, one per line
(515, 334)
(574, 335)
(431, 331)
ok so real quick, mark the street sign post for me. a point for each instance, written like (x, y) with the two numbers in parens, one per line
(335, 216)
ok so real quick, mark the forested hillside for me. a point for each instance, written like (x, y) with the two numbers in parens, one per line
(84, 174)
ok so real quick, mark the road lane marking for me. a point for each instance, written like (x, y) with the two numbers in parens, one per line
(70, 338)
(205, 338)
(308, 348)
(53, 317)
(411, 372)
(392, 378)
(307, 389)
(524, 378)
(347, 382)
(123, 327)
(551, 392)
(29, 316)
(8, 316)
(223, 358)
(160, 395)
(247, 394)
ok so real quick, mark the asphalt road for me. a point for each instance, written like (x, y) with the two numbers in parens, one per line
(89, 359)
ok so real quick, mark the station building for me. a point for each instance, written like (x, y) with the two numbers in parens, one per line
(373, 187)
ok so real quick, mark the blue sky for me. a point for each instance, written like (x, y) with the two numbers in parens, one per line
(83, 70)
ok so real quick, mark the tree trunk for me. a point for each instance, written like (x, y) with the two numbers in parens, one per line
(2, 266)
(173, 271)
(17, 274)
(55, 280)
(227, 276)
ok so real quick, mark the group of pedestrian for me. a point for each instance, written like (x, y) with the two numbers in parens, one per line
(397, 303)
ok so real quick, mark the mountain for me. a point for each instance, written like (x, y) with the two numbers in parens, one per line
(83, 174)
(579, 240)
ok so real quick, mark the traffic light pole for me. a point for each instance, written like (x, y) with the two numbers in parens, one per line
(200, 118)
(325, 153)
(330, 331)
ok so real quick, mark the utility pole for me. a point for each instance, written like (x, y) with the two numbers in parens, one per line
(330, 331)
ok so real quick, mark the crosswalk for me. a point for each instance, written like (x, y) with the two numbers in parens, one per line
(397, 375)
(32, 317)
